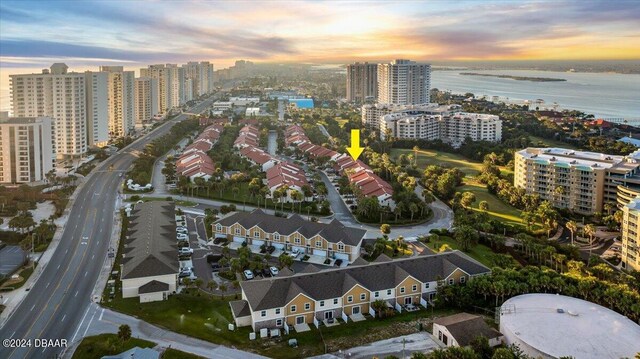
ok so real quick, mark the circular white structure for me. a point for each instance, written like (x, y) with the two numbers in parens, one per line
(551, 326)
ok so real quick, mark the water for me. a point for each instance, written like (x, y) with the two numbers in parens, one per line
(600, 94)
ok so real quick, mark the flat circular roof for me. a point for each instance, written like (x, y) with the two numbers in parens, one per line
(583, 330)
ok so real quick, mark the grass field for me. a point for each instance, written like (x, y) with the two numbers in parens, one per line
(479, 252)
(498, 209)
(107, 344)
(446, 159)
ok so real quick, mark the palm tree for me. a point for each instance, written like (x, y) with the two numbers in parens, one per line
(124, 332)
(572, 226)
(590, 230)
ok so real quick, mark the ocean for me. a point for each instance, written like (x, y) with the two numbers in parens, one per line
(605, 95)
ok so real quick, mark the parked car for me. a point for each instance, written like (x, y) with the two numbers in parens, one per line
(186, 251)
(338, 262)
(182, 236)
(265, 272)
(274, 271)
(267, 249)
(185, 272)
(182, 231)
(248, 274)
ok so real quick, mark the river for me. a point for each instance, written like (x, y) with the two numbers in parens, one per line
(600, 94)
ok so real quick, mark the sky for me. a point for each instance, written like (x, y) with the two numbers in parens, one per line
(87, 34)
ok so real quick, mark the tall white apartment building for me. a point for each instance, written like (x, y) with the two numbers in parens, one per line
(175, 84)
(120, 100)
(161, 74)
(404, 82)
(60, 95)
(27, 150)
(188, 89)
(362, 82)
(97, 100)
(145, 99)
(201, 75)
(631, 235)
(577, 180)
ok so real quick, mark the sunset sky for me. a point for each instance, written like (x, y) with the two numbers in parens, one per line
(86, 34)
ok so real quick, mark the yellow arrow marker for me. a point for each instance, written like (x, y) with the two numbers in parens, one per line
(355, 150)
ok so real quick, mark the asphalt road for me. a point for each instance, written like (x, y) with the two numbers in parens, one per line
(55, 306)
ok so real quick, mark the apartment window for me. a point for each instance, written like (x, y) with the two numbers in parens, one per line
(388, 291)
(335, 301)
(307, 306)
(463, 279)
(414, 287)
(319, 244)
(293, 309)
(256, 234)
(376, 294)
(237, 230)
(340, 247)
(219, 227)
(451, 280)
(263, 313)
(276, 237)
(426, 285)
(350, 299)
(322, 303)
(277, 310)
(278, 322)
(297, 240)
(402, 290)
(363, 296)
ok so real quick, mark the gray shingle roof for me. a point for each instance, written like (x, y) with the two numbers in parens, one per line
(333, 283)
(239, 308)
(150, 248)
(333, 232)
(153, 287)
(465, 327)
(359, 262)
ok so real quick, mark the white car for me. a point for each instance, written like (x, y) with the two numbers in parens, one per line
(248, 274)
(182, 230)
(181, 236)
(274, 271)
(186, 250)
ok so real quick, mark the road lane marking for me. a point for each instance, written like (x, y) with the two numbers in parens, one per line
(77, 330)
(76, 293)
(85, 273)
(48, 285)
(58, 267)
(12, 334)
(63, 318)
(101, 314)
(33, 306)
(93, 256)
(89, 325)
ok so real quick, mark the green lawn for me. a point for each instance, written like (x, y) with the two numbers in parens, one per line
(498, 209)
(479, 252)
(107, 344)
(440, 158)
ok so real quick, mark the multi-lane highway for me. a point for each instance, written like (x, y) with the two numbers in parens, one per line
(56, 303)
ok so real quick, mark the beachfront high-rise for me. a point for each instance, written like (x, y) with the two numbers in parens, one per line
(404, 82)
(145, 99)
(60, 95)
(201, 76)
(120, 100)
(160, 73)
(27, 150)
(362, 82)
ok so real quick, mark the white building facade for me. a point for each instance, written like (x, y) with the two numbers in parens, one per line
(145, 100)
(26, 149)
(404, 82)
(60, 95)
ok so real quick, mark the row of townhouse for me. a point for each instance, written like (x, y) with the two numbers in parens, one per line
(359, 173)
(258, 157)
(333, 240)
(249, 135)
(194, 162)
(286, 175)
(348, 293)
